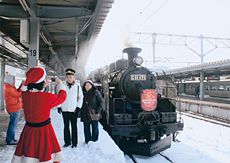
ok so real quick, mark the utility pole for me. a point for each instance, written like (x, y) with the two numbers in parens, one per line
(201, 73)
(154, 43)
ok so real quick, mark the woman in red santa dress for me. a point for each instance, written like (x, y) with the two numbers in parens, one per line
(38, 142)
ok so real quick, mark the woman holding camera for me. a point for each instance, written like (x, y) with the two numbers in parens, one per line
(38, 142)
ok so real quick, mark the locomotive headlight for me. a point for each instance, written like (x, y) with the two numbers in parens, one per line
(138, 60)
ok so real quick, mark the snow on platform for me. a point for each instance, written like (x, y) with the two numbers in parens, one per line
(102, 151)
(201, 142)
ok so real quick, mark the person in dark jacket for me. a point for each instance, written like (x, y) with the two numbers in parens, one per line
(197, 90)
(92, 97)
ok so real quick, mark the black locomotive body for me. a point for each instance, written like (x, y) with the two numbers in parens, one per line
(135, 130)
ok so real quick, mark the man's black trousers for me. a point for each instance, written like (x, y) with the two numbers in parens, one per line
(72, 118)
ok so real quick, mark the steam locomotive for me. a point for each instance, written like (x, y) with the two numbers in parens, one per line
(135, 129)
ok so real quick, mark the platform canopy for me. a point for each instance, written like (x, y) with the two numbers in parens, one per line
(68, 29)
(210, 69)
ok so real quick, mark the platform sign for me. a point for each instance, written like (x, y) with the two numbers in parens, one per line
(148, 100)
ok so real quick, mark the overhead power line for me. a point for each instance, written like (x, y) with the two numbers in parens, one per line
(154, 12)
(142, 11)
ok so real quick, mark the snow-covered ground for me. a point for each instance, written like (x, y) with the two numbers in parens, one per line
(201, 142)
(102, 151)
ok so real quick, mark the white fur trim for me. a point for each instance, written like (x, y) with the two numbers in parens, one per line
(24, 88)
(61, 87)
(22, 159)
(43, 77)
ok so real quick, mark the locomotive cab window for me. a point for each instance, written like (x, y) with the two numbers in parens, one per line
(227, 88)
(221, 87)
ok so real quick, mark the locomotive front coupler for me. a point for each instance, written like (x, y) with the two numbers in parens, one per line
(152, 135)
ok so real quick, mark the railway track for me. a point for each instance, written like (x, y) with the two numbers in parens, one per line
(132, 157)
(167, 158)
(207, 118)
(161, 153)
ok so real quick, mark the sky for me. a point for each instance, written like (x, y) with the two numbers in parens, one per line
(181, 17)
(200, 142)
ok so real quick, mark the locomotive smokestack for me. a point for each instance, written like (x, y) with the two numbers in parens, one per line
(132, 53)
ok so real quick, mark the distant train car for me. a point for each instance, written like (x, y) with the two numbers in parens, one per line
(135, 130)
(213, 88)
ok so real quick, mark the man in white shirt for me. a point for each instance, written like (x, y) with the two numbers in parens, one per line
(69, 108)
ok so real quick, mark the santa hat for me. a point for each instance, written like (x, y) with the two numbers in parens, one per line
(89, 81)
(35, 75)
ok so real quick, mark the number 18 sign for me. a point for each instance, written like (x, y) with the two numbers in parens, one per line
(148, 100)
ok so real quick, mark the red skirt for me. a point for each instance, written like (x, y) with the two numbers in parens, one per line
(38, 144)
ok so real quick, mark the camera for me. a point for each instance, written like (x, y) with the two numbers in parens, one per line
(53, 79)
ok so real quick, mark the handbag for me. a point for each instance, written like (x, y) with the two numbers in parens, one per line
(92, 116)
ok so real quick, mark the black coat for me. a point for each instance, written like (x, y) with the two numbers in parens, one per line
(93, 96)
(197, 89)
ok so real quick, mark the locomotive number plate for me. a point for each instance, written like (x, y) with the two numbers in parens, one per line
(138, 77)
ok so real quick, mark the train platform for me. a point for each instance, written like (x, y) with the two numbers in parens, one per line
(218, 108)
(104, 150)
(215, 101)
(4, 121)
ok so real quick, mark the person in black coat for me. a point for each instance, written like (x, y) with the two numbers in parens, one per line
(197, 91)
(92, 97)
